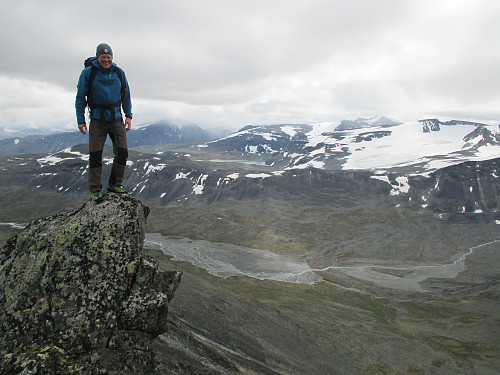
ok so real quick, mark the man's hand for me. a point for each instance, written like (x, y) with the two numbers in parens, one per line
(128, 124)
(83, 128)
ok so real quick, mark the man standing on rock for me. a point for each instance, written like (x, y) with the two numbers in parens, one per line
(104, 88)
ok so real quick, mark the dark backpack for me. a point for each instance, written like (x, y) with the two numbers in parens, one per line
(93, 71)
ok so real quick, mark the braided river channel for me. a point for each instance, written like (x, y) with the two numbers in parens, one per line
(226, 260)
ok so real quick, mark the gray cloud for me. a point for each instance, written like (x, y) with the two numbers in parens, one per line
(228, 63)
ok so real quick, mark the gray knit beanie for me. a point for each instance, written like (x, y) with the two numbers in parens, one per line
(103, 48)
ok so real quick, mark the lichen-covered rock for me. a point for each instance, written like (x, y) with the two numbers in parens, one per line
(78, 295)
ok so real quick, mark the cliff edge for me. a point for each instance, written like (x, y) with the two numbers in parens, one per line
(79, 296)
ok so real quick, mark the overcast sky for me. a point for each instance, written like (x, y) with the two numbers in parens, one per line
(228, 63)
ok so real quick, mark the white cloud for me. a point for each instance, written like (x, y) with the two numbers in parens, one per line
(229, 63)
(35, 104)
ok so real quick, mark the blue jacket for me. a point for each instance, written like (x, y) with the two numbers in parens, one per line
(106, 91)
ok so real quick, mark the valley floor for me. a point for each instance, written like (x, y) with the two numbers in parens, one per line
(250, 326)
(348, 323)
(344, 324)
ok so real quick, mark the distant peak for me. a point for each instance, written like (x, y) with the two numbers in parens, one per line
(434, 124)
(360, 123)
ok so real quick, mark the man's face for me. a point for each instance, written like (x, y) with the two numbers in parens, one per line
(105, 60)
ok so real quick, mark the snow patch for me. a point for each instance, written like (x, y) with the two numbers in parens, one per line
(258, 175)
(289, 130)
(251, 149)
(227, 179)
(200, 184)
(181, 175)
(318, 164)
(402, 185)
(268, 136)
(50, 160)
(56, 158)
(233, 176)
(153, 168)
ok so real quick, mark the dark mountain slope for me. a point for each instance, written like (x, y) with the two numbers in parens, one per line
(157, 133)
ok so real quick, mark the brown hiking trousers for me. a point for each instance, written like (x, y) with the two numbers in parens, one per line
(98, 131)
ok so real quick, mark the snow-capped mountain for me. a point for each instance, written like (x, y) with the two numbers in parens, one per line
(417, 147)
(442, 166)
(360, 123)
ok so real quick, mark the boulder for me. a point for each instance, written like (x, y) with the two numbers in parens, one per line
(78, 295)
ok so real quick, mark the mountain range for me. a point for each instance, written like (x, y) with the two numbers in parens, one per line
(378, 144)
(417, 147)
(431, 164)
(154, 133)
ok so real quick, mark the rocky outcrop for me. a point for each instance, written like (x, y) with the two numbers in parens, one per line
(78, 295)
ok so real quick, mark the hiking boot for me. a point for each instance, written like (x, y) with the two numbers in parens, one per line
(116, 189)
(96, 197)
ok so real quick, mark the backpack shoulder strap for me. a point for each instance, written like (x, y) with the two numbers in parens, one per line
(119, 73)
(93, 72)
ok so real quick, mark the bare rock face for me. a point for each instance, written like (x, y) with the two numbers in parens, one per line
(79, 296)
